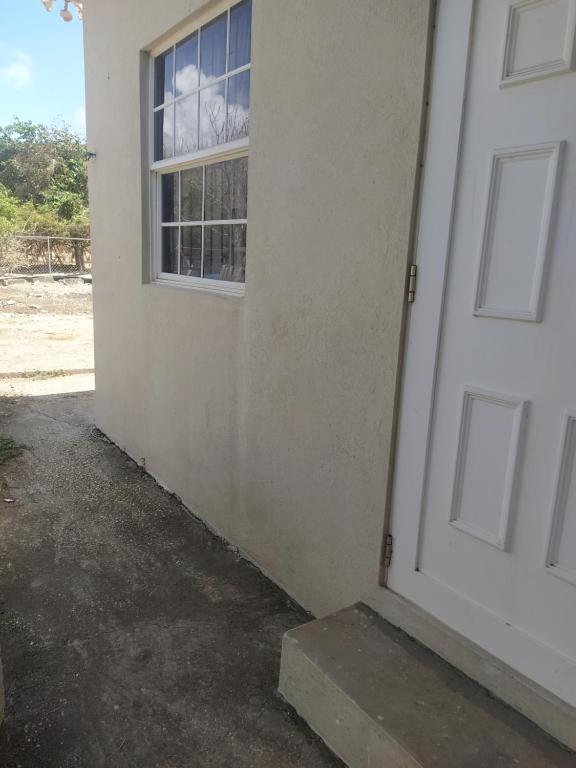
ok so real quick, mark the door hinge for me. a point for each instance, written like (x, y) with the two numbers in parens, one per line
(388, 550)
(412, 270)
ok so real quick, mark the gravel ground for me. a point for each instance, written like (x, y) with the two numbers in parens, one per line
(131, 636)
(71, 296)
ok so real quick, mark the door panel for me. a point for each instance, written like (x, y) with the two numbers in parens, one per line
(516, 231)
(492, 516)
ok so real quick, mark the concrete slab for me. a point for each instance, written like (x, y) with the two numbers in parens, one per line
(539, 705)
(11, 386)
(130, 634)
(379, 698)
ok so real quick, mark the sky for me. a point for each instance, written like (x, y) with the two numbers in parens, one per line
(41, 65)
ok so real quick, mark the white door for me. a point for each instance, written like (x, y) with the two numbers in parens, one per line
(484, 509)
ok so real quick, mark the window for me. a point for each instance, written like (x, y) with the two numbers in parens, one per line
(199, 153)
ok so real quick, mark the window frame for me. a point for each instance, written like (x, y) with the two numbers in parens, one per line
(199, 158)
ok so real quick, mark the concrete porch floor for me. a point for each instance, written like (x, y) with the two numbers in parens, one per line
(130, 635)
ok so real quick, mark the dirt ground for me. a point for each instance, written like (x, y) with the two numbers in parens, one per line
(71, 296)
(46, 327)
(130, 635)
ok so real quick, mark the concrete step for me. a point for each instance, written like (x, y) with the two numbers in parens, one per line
(381, 700)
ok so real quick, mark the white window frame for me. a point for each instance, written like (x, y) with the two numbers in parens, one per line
(201, 157)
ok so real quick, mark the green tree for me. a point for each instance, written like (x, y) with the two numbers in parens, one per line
(43, 184)
(43, 172)
(9, 212)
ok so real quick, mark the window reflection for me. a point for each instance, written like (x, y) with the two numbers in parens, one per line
(215, 250)
(226, 190)
(215, 194)
(212, 116)
(238, 175)
(191, 252)
(164, 133)
(192, 194)
(237, 265)
(238, 111)
(170, 249)
(170, 197)
(240, 31)
(187, 65)
(213, 49)
(198, 104)
(186, 125)
(163, 71)
(216, 242)
(225, 252)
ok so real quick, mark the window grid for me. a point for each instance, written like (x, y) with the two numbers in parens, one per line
(215, 81)
(180, 224)
(203, 156)
(197, 90)
(203, 197)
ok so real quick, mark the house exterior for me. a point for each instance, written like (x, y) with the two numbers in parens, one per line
(265, 175)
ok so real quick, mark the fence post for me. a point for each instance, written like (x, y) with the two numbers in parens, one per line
(49, 257)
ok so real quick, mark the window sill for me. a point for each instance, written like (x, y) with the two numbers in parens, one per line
(203, 285)
(218, 152)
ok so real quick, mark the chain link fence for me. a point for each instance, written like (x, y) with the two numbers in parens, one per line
(45, 255)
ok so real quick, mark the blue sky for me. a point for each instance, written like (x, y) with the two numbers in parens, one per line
(41, 65)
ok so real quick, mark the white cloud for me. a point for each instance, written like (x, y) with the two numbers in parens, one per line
(186, 80)
(16, 70)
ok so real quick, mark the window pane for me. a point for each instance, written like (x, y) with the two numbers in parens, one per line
(170, 197)
(187, 65)
(225, 252)
(226, 190)
(187, 125)
(170, 249)
(238, 176)
(237, 257)
(163, 133)
(215, 202)
(191, 252)
(213, 49)
(163, 66)
(240, 30)
(212, 116)
(216, 242)
(192, 194)
(238, 106)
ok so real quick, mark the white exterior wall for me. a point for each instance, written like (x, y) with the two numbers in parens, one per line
(270, 415)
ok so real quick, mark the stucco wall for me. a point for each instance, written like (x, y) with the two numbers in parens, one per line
(275, 425)
(166, 388)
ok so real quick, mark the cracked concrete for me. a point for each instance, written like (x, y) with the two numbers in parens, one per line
(131, 636)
